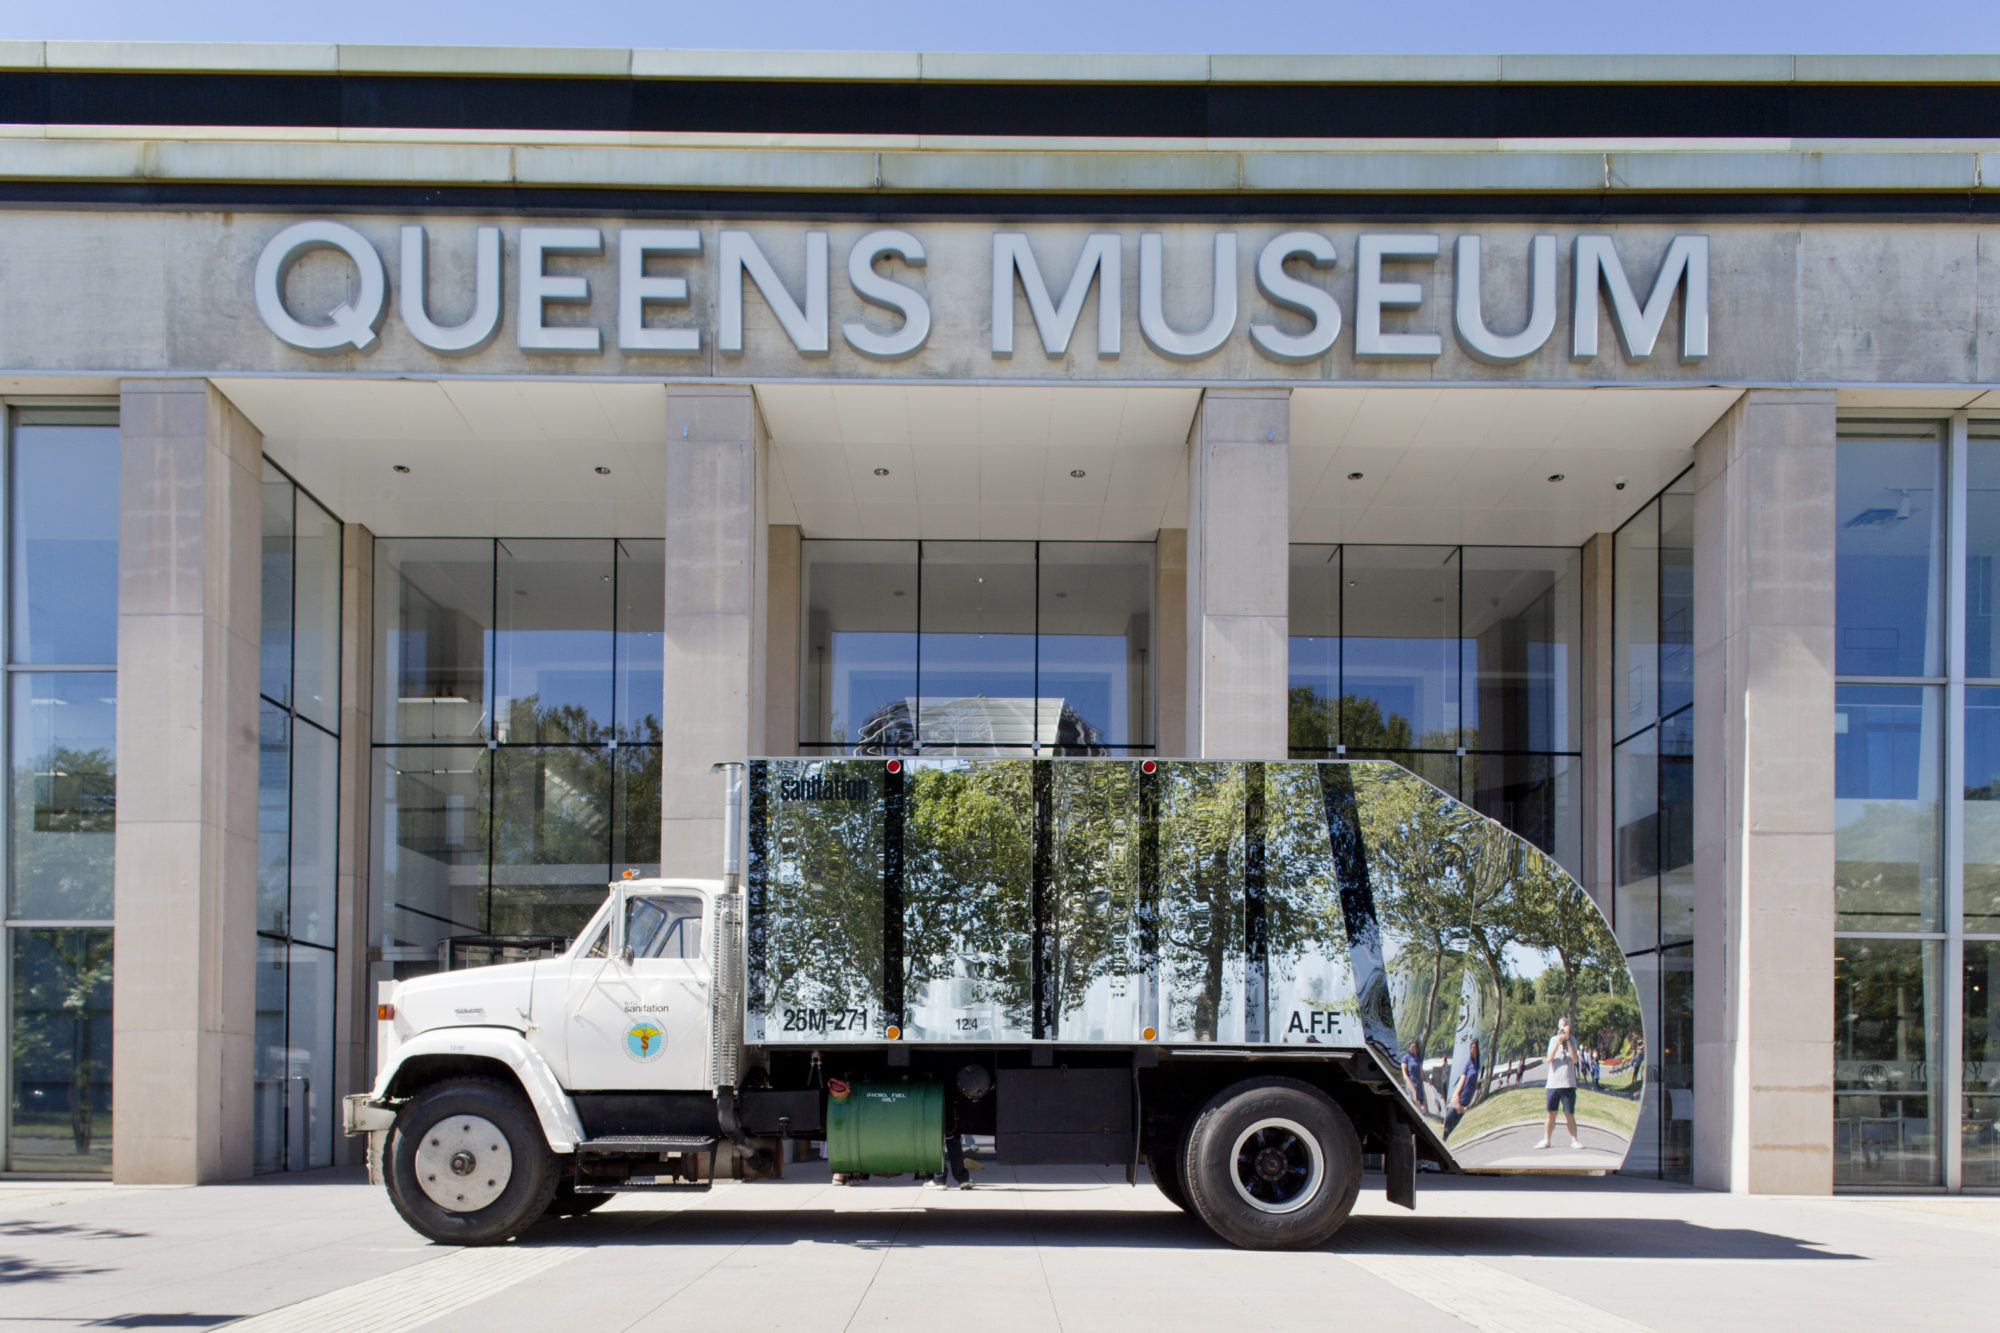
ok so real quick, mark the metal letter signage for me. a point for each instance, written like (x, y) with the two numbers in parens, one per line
(666, 291)
(349, 324)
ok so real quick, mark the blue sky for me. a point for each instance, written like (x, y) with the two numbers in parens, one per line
(1476, 26)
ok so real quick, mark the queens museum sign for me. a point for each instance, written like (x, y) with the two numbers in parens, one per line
(980, 301)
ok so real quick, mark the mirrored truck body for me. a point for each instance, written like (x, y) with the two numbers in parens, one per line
(1254, 983)
(1189, 903)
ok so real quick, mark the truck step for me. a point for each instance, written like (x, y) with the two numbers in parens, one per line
(646, 1143)
(642, 1185)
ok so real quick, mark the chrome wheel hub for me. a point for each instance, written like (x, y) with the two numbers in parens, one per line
(1277, 1166)
(463, 1163)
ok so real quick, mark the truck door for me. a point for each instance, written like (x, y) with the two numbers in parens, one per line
(640, 1018)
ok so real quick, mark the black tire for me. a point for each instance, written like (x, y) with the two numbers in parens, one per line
(568, 1203)
(1165, 1172)
(1272, 1164)
(462, 1111)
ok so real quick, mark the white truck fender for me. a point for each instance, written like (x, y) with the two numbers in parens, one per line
(560, 1123)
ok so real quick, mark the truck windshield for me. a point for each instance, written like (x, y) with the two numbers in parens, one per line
(663, 926)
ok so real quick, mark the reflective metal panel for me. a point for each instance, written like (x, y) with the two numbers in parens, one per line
(1343, 904)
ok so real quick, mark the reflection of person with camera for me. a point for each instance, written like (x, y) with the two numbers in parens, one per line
(1464, 1090)
(1562, 1061)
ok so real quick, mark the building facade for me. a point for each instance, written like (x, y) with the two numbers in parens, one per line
(423, 464)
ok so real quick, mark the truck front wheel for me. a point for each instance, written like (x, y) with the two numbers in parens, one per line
(1272, 1164)
(468, 1164)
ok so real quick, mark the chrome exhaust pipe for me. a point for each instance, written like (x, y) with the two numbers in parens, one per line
(732, 823)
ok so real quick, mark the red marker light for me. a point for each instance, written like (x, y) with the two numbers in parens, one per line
(895, 765)
(385, 1012)
(1148, 766)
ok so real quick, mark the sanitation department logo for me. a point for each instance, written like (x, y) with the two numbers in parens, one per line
(645, 1043)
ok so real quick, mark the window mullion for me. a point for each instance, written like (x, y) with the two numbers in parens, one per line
(1950, 986)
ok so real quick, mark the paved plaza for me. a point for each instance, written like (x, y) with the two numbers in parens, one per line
(1028, 1250)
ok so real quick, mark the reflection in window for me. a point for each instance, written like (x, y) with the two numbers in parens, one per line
(1886, 1011)
(561, 644)
(1677, 594)
(1981, 1124)
(64, 546)
(433, 616)
(552, 643)
(298, 807)
(968, 648)
(1523, 619)
(59, 1044)
(1982, 810)
(1312, 679)
(1400, 647)
(65, 794)
(1888, 762)
(62, 571)
(1635, 623)
(1396, 655)
(1888, 550)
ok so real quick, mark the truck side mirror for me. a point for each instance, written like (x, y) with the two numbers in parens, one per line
(625, 955)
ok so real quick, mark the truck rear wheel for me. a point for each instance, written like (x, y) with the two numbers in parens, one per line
(1272, 1164)
(468, 1164)
(1166, 1174)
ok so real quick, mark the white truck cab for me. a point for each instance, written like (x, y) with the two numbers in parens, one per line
(626, 1013)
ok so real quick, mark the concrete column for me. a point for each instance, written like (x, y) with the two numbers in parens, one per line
(184, 983)
(781, 637)
(1170, 649)
(715, 612)
(1763, 790)
(1595, 786)
(354, 999)
(1239, 523)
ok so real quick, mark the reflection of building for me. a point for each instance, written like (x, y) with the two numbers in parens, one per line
(1696, 592)
(978, 726)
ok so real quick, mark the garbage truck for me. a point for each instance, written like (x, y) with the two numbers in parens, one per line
(1247, 981)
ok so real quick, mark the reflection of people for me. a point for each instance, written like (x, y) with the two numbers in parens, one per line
(1413, 1074)
(1463, 1091)
(954, 1157)
(1562, 1062)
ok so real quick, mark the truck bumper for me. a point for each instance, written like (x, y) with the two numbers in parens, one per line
(359, 1115)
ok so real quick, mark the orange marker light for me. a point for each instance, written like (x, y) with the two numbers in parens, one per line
(1148, 1034)
(894, 1032)
(385, 1012)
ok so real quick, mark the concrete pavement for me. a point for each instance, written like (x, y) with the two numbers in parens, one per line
(1027, 1250)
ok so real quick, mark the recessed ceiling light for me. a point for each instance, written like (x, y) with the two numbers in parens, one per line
(602, 471)
(1352, 584)
(897, 593)
(881, 472)
(1076, 472)
(1061, 595)
(399, 467)
(1555, 476)
(1354, 476)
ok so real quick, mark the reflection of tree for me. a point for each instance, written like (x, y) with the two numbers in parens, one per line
(72, 985)
(1096, 878)
(66, 811)
(818, 927)
(1201, 880)
(1881, 861)
(968, 837)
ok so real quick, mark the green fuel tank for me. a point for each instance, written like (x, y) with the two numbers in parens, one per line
(886, 1129)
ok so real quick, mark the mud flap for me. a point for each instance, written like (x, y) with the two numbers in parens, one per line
(1399, 1163)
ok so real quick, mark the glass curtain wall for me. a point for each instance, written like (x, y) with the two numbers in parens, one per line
(1917, 805)
(298, 816)
(59, 723)
(1458, 662)
(965, 648)
(519, 691)
(1652, 801)
(1892, 658)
